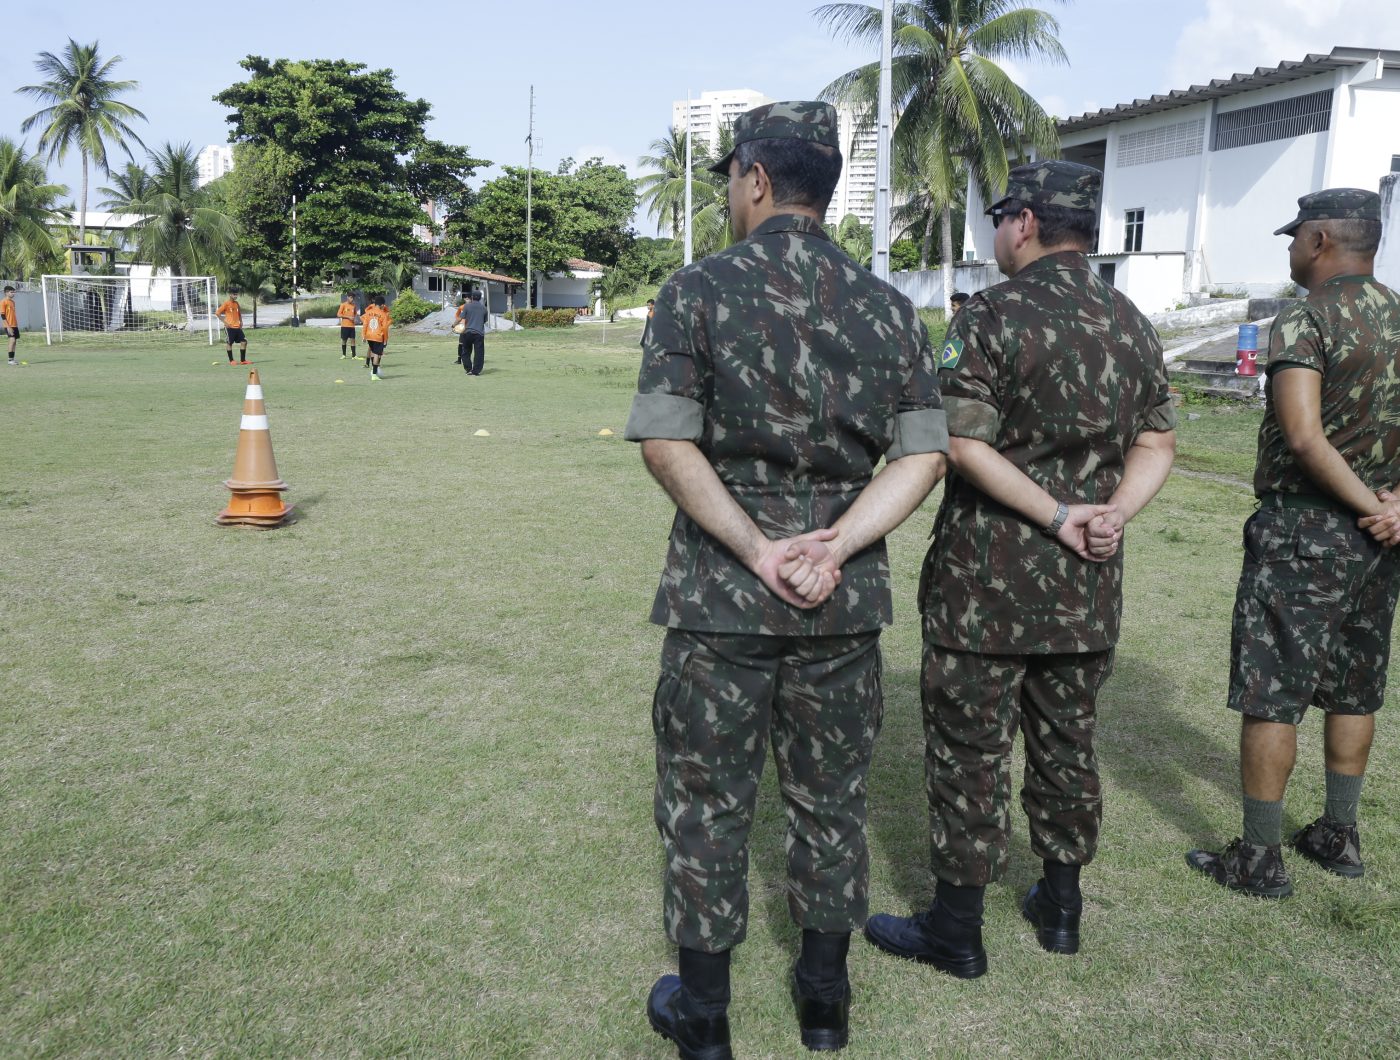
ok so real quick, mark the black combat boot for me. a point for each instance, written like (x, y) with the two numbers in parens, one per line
(823, 991)
(691, 1009)
(948, 935)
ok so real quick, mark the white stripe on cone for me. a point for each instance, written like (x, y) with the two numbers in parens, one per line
(254, 392)
(253, 423)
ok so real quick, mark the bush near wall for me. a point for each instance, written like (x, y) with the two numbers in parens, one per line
(409, 308)
(542, 318)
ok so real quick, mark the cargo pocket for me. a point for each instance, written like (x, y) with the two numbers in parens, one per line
(668, 714)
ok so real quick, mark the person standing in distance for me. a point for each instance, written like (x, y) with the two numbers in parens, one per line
(776, 374)
(11, 322)
(1061, 430)
(646, 327)
(471, 344)
(347, 314)
(231, 314)
(1318, 587)
(376, 317)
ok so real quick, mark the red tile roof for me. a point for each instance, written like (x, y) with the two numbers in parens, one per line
(475, 274)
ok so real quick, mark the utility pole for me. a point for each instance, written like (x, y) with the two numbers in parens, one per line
(529, 198)
(295, 321)
(880, 234)
(689, 242)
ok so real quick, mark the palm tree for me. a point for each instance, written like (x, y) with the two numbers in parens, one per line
(663, 191)
(958, 110)
(710, 199)
(28, 206)
(130, 188)
(178, 229)
(855, 237)
(82, 111)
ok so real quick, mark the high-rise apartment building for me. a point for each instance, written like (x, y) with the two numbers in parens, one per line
(214, 161)
(710, 111)
(855, 191)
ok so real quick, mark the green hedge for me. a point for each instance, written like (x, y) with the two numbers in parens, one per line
(542, 318)
(408, 308)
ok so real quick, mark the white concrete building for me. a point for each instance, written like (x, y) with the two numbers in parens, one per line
(710, 111)
(855, 191)
(1196, 180)
(214, 161)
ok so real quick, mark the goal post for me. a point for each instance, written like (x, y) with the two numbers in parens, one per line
(102, 309)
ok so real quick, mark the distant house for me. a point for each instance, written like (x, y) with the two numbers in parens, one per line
(444, 284)
(574, 289)
(1196, 180)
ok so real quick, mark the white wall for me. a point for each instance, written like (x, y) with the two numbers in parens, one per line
(1388, 258)
(1367, 132)
(1165, 191)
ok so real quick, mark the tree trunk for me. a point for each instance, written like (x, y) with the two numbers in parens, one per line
(948, 262)
(82, 206)
(927, 244)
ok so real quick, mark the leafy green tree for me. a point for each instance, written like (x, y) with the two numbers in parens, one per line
(82, 111)
(28, 207)
(352, 149)
(854, 237)
(578, 212)
(178, 230)
(904, 255)
(958, 110)
(129, 188)
(709, 198)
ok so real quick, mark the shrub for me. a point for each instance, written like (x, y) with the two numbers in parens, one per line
(408, 307)
(542, 318)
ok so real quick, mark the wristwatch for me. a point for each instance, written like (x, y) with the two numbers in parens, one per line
(1061, 514)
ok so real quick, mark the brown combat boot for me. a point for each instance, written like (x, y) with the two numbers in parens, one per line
(1336, 847)
(1245, 867)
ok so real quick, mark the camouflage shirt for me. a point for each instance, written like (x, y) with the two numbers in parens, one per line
(1349, 331)
(1059, 373)
(794, 370)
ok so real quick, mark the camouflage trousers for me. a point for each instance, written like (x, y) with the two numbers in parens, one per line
(719, 698)
(973, 704)
(1312, 616)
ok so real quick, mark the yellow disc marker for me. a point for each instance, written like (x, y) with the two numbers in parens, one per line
(340, 380)
(213, 362)
(605, 433)
(482, 434)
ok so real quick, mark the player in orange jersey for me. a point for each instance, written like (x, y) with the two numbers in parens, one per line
(231, 313)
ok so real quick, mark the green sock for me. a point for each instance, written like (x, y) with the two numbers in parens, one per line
(1263, 822)
(1343, 797)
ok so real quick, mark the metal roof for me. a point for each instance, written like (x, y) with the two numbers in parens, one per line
(1263, 76)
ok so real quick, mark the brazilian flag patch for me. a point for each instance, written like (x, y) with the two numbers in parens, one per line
(952, 354)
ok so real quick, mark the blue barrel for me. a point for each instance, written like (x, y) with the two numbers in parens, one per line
(1249, 337)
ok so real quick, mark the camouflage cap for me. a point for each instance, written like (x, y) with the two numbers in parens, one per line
(794, 120)
(1334, 204)
(1053, 183)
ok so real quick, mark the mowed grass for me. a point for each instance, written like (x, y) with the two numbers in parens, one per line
(379, 782)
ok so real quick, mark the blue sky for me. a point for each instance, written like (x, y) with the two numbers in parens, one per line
(605, 71)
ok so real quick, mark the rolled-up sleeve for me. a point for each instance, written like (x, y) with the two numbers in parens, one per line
(970, 372)
(1160, 414)
(669, 402)
(920, 425)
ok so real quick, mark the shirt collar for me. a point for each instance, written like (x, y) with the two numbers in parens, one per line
(1060, 259)
(790, 222)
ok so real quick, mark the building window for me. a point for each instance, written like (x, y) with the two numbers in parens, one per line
(435, 283)
(1107, 269)
(1395, 163)
(1132, 230)
(1280, 120)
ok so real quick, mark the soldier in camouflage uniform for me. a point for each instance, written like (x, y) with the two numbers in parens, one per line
(776, 375)
(1318, 589)
(1061, 430)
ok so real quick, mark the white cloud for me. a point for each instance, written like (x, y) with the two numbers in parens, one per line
(1236, 36)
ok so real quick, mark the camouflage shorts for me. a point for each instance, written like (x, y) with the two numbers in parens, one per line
(973, 705)
(719, 699)
(1312, 616)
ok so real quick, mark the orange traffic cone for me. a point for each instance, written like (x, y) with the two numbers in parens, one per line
(257, 491)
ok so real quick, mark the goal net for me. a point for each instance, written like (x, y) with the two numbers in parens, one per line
(100, 309)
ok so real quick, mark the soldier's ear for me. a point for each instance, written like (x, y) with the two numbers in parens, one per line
(761, 184)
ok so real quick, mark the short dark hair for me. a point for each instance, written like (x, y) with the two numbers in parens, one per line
(1354, 235)
(802, 173)
(959, 297)
(9, 290)
(476, 296)
(1058, 225)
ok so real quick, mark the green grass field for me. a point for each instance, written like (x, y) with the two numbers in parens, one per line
(379, 782)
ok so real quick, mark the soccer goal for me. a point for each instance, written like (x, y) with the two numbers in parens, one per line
(102, 308)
